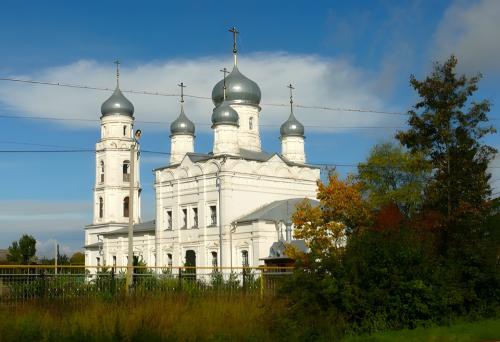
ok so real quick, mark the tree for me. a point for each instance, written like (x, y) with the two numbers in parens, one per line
(341, 212)
(446, 127)
(393, 176)
(22, 251)
(77, 258)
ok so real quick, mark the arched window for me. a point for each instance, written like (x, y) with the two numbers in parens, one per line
(126, 171)
(250, 123)
(124, 131)
(102, 172)
(244, 258)
(101, 207)
(169, 260)
(125, 207)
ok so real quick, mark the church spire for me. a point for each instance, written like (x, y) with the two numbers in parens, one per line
(292, 126)
(117, 62)
(291, 97)
(235, 32)
(182, 86)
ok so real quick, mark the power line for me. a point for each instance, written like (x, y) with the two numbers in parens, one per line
(325, 164)
(159, 93)
(196, 123)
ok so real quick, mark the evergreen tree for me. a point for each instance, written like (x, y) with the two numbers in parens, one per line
(447, 127)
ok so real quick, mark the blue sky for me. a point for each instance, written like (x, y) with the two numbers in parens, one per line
(347, 54)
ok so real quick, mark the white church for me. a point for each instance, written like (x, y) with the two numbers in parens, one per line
(230, 207)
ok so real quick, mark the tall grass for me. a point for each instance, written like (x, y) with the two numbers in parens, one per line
(180, 317)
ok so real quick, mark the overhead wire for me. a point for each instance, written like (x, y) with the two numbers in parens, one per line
(317, 163)
(159, 93)
(196, 123)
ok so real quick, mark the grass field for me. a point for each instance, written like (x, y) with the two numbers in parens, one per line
(486, 330)
(188, 318)
(137, 319)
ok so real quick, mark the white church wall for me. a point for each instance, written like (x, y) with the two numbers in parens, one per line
(226, 140)
(246, 186)
(179, 146)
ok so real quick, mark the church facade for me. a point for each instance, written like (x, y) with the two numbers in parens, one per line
(223, 208)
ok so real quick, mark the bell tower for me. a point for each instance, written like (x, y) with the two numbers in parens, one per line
(112, 185)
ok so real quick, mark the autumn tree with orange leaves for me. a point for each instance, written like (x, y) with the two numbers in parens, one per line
(341, 212)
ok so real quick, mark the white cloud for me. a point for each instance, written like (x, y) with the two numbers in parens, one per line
(45, 220)
(470, 30)
(46, 249)
(318, 81)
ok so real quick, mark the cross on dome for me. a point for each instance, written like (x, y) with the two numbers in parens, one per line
(235, 32)
(225, 72)
(292, 126)
(117, 62)
(182, 125)
(182, 86)
(291, 95)
(117, 103)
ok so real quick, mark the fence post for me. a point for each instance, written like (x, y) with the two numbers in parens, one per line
(244, 280)
(262, 284)
(180, 278)
(44, 285)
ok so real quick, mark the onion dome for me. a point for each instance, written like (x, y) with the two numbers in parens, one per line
(292, 127)
(225, 115)
(182, 125)
(239, 90)
(117, 104)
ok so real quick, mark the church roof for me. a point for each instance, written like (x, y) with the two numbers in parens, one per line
(224, 114)
(182, 125)
(245, 154)
(239, 90)
(292, 127)
(117, 103)
(278, 249)
(149, 226)
(275, 211)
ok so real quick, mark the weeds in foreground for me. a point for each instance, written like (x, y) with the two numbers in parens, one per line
(180, 317)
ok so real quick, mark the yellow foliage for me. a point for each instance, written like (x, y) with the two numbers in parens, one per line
(342, 209)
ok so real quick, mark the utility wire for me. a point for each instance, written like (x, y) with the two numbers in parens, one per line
(158, 93)
(196, 123)
(325, 164)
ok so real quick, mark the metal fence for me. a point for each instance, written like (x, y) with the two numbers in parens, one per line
(22, 283)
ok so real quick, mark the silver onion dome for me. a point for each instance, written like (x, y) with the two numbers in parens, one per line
(182, 125)
(292, 127)
(117, 104)
(225, 115)
(239, 90)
